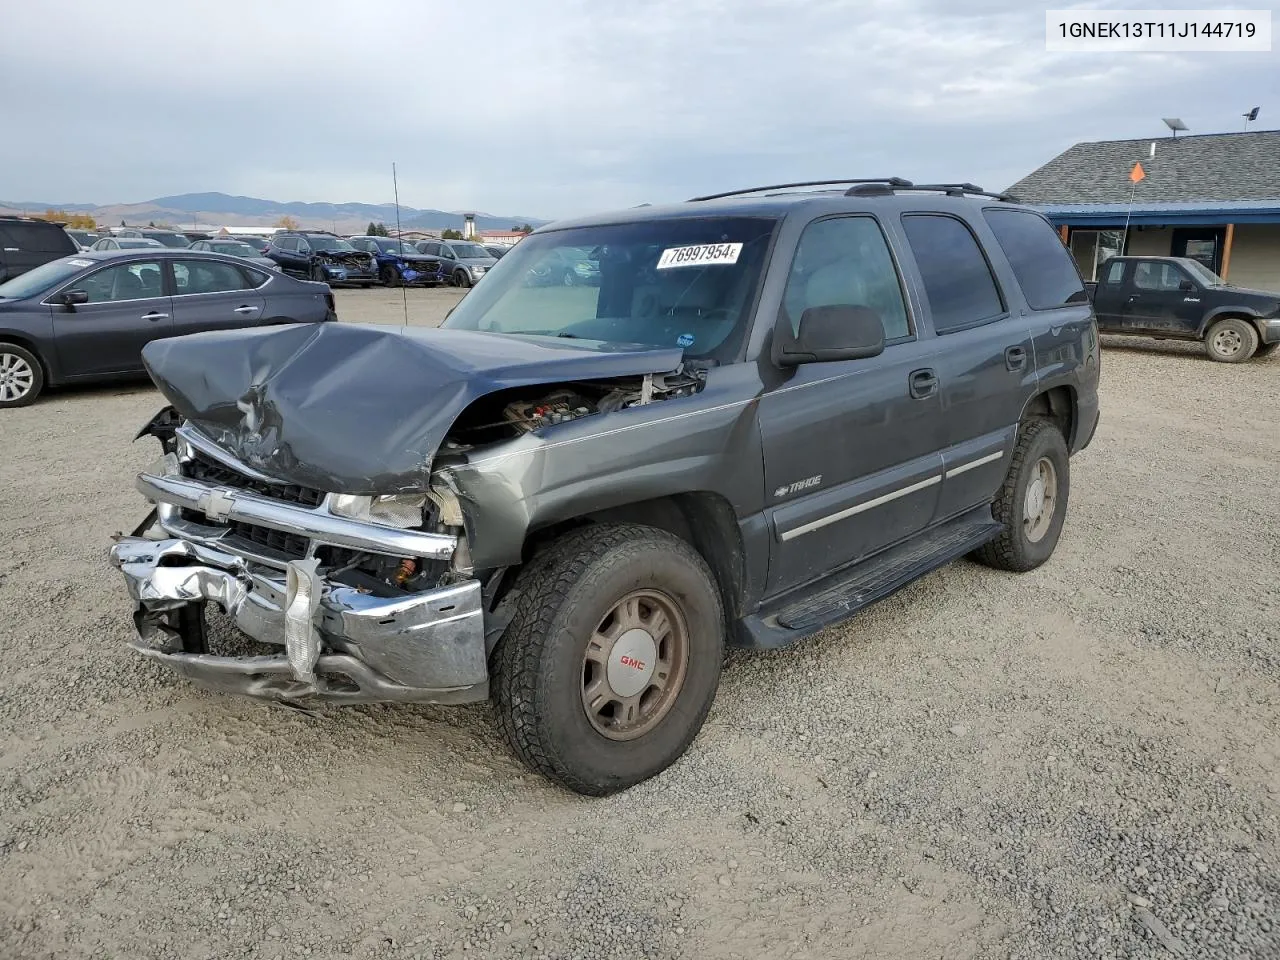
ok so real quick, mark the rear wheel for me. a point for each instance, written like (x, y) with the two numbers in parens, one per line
(612, 658)
(1032, 502)
(1231, 340)
(21, 376)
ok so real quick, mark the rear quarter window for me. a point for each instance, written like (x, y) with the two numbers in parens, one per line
(1041, 263)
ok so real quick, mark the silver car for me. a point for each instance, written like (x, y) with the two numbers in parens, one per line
(463, 261)
(236, 248)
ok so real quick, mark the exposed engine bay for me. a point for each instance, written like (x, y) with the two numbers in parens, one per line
(347, 258)
(530, 409)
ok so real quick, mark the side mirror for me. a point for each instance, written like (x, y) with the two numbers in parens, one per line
(1186, 285)
(837, 332)
(71, 297)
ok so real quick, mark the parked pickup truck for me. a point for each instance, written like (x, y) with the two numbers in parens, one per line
(1177, 298)
(768, 413)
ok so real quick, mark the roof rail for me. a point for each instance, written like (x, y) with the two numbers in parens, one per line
(889, 181)
(959, 190)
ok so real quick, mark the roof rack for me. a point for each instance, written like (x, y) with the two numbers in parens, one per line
(892, 181)
(959, 190)
(868, 187)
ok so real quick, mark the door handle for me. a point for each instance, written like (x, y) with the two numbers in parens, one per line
(922, 383)
(246, 309)
(1015, 358)
(155, 316)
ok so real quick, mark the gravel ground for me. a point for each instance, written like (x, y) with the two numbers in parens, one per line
(1077, 762)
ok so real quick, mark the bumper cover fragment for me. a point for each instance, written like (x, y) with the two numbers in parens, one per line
(421, 648)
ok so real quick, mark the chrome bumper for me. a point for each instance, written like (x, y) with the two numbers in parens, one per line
(423, 648)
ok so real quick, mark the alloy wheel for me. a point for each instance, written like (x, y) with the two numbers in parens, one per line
(16, 377)
(634, 665)
(1040, 500)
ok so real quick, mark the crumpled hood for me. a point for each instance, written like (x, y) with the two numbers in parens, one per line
(362, 409)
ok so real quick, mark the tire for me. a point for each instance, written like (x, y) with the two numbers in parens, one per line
(461, 278)
(1266, 349)
(1231, 340)
(390, 276)
(21, 376)
(568, 279)
(366, 286)
(557, 652)
(1022, 545)
(317, 273)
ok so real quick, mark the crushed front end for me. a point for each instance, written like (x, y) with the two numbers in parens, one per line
(350, 599)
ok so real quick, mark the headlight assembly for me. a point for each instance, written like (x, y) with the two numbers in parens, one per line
(402, 510)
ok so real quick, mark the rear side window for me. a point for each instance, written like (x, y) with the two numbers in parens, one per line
(1044, 268)
(206, 276)
(36, 237)
(287, 243)
(957, 278)
(1116, 273)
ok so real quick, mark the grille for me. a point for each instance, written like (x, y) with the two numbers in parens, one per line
(286, 545)
(261, 540)
(209, 470)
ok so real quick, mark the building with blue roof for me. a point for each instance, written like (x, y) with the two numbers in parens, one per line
(1214, 198)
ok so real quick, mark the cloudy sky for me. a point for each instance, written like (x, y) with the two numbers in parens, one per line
(548, 108)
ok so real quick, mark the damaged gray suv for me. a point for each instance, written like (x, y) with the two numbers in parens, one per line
(775, 408)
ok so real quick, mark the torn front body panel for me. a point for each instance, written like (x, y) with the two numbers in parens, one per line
(355, 409)
(705, 443)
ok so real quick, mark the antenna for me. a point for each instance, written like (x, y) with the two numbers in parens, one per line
(1174, 124)
(395, 186)
(1251, 115)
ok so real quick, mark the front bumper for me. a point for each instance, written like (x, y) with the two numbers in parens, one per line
(422, 648)
(1269, 330)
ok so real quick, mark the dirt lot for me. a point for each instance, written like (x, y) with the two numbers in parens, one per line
(1083, 761)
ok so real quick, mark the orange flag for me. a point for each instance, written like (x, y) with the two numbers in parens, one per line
(1137, 173)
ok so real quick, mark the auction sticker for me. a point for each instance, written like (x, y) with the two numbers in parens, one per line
(699, 255)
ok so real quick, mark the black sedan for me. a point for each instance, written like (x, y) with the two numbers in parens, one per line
(87, 317)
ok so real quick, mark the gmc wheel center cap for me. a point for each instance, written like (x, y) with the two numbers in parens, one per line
(631, 662)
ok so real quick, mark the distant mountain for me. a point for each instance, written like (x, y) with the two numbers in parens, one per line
(224, 209)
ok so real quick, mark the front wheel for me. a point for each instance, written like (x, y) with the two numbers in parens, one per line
(1032, 502)
(317, 273)
(568, 279)
(461, 278)
(1231, 340)
(611, 659)
(21, 376)
(389, 276)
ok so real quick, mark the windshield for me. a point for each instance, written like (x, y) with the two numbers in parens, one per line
(464, 250)
(129, 242)
(396, 246)
(235, 249)
(1202, 273)
(42, 278)
(83, 236)
(328, 243)
(168, 239)
(687, 283)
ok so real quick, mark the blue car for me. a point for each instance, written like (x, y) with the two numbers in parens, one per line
(400, 263)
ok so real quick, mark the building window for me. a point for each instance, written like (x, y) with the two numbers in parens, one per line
(1091, 248)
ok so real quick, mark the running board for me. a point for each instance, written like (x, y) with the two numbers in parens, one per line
(847, 591)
